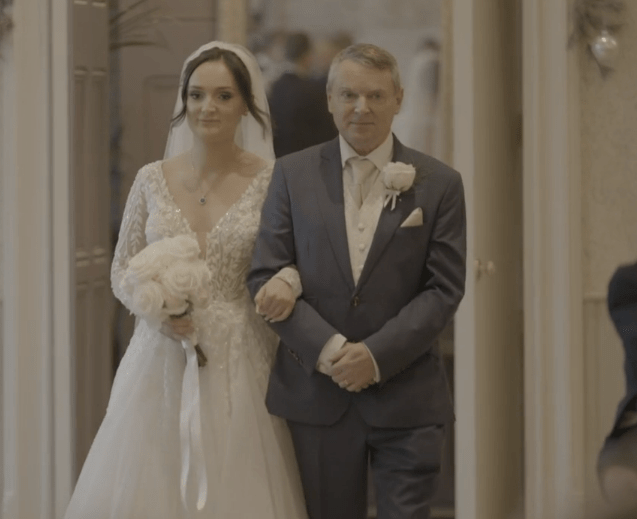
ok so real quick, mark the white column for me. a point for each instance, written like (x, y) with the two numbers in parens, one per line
(62, 255)
(3, 117)
(36, 417)
(232, 21)
(554, 369)
(465, 376)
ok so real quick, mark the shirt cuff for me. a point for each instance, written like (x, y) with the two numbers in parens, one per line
(291, 276)
(376, 369)
(335, 343)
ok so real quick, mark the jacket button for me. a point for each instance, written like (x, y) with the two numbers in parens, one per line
(356, 301)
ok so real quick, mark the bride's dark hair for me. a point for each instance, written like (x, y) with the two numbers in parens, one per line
(241, 76)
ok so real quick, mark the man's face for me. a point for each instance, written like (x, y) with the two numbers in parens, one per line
(363, 102)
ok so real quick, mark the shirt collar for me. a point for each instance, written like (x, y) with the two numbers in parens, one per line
(380, 156)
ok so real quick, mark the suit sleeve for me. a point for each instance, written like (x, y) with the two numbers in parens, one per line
(412, 332)
(304, 330)
(622, 305)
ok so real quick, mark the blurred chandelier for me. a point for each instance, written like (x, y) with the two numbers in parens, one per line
(597, 22)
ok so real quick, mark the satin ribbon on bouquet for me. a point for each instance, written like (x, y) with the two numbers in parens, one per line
(190, 428)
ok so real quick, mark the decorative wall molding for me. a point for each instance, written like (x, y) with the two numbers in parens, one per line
(590, 297)
(466, 401)
(3, 164)
(36, 393)
(61, 170)
(554, 357)
(232, 21)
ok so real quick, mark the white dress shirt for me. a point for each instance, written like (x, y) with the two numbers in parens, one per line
(360, 222)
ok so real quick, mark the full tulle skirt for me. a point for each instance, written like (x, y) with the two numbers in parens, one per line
(133, 469)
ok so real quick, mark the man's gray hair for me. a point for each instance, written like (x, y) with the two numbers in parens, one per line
(368, 55)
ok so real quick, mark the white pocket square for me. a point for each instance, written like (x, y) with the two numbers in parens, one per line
(414, 219)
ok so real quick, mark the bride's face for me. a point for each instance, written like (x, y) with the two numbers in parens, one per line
(214, 105)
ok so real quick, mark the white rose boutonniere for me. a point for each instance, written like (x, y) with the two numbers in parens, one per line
(398, 177)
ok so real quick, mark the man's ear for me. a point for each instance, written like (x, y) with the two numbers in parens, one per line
(329, 102)
(399, 98)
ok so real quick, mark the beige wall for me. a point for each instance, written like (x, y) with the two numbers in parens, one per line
(149, 79)
(609, 162)
(609, 223)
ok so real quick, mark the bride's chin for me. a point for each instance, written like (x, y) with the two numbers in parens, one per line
(215, 138)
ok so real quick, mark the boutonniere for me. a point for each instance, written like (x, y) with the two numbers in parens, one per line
(398, 177)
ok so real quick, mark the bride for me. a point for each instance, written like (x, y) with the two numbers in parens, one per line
(211, 186)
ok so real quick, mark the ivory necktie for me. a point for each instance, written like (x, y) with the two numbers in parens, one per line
(362, 169)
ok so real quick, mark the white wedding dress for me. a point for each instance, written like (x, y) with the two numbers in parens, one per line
(133, 468)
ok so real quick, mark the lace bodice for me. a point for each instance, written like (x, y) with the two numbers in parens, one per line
(151, 214)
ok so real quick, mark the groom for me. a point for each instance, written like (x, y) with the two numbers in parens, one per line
(358, 374)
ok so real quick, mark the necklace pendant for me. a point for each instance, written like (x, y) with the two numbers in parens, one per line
(202, 200)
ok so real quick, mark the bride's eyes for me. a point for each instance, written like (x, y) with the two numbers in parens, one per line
(223, 96)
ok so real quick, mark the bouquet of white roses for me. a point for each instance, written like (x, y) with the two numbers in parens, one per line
(168, 279)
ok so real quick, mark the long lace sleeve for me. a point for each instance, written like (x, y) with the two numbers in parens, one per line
(132, 238)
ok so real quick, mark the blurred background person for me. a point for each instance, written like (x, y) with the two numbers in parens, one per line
(269, 50)
(617, 463)
(417, 123)
(298, 104)
(325, 50)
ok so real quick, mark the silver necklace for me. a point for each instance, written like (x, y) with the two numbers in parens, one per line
(202, 200)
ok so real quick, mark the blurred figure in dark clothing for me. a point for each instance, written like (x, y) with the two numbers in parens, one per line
(269, 50)
(617, 463)
(298, 104)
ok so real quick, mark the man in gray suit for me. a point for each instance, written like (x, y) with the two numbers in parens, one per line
(377, 232)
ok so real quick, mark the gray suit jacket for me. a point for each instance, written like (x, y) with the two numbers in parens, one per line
(410, 287)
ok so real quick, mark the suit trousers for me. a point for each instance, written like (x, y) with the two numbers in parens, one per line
(333, 461)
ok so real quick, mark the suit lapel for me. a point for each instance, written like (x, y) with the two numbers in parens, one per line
(329, 194)
(389, 220)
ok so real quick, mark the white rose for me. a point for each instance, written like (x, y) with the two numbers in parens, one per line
(184, 247)
(201, 297)
(142, 267)
(159, 255)
(148, 300)
(397, 178)
(182, 279)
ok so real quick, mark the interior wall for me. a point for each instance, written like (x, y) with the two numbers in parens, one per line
(609, 219)
(3, 73)
(149, 79)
